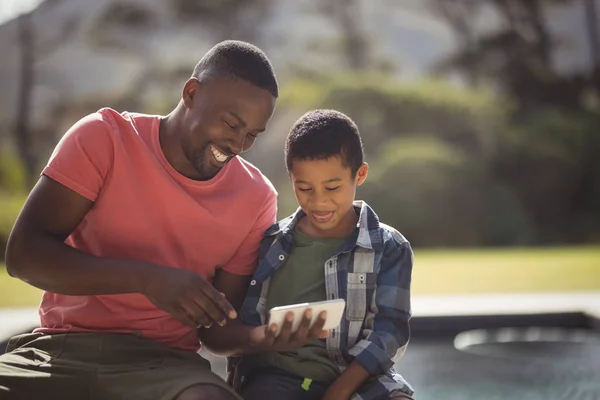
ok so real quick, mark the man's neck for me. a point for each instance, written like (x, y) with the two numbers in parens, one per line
(170, 142)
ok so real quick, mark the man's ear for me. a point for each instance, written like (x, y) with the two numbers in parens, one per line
(361, 174)
(190, 89)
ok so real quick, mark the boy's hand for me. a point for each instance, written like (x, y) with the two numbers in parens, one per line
(264, 337)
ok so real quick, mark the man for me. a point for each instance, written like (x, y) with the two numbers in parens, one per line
(131, 221)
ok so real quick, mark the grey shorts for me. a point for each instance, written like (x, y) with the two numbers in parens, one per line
(99, 366)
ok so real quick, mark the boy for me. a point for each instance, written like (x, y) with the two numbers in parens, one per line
(332, 247)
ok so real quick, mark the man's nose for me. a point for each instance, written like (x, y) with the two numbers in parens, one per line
(236, 143)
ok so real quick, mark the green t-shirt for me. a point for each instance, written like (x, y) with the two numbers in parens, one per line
(302, 279)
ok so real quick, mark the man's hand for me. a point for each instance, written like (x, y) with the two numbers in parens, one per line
(188, 297)
(264, 337)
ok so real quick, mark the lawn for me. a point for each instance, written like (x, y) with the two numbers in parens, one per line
(14, 293)
(506, 270)
(451, 272)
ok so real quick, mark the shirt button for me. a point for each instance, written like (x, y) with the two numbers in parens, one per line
(281, 257)
(253, 282)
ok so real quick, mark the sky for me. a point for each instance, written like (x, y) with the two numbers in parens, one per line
(11, 8)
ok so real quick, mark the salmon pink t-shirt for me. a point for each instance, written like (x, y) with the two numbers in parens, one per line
(145, 210)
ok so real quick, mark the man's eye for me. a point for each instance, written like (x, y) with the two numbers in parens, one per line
(230, 125)
(333, 188)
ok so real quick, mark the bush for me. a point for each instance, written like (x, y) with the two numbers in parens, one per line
(10, 206)
(386, 109)
(550, 161)
(430, 146)
(438, 195)
(13, 178)
(452, 166)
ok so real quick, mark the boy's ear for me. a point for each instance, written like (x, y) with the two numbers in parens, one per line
(361, 174)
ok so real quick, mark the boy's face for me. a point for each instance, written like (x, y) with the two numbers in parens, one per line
(325, 190)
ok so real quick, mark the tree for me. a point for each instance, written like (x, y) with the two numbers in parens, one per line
(226, 19)
(346, 15)
(517, 57)
(458, 14)
(593, 31)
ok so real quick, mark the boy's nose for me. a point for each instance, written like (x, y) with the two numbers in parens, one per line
(319, 199)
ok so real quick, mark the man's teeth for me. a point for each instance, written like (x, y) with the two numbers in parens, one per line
(218, 155)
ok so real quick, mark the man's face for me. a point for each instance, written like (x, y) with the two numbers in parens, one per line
(325, 191)
(223, 118)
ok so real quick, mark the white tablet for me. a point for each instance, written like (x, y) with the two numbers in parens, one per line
(334, 308)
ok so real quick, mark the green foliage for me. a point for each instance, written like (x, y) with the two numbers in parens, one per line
(13, 177)
(439, 196)
(551, 161)
(10, 206)
(450, 167)
(385, 109)
(13, 184)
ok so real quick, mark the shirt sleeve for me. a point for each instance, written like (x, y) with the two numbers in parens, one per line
(244, 261)
(387, 329)
(83, 157)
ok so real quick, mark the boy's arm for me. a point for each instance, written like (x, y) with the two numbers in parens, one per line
(386, 337)
(387, 333)
(347, 383)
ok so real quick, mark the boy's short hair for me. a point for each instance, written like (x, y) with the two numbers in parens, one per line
(239, 60)
(322, 134)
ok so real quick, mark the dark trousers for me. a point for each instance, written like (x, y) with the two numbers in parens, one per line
(277, 384)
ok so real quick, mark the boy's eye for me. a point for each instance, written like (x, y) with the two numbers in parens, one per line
(303, 189)
(333, 188)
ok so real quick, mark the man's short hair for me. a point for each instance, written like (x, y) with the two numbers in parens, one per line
(322, 134)
(239, 60)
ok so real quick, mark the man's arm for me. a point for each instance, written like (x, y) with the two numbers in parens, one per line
(36, 253)
(234, 337)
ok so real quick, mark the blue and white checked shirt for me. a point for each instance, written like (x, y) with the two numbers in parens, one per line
(372, 272)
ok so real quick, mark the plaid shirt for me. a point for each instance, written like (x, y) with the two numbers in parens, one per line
(372, 272)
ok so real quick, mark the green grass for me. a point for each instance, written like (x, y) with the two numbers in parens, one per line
(10, 205)
(451, 272)
(15, 293)
(506, 270)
